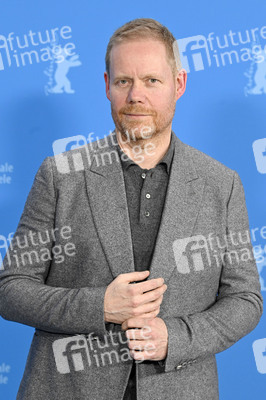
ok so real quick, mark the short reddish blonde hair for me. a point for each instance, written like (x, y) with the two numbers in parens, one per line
(146, 28)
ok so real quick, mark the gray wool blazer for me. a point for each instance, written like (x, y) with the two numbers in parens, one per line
(78, 204)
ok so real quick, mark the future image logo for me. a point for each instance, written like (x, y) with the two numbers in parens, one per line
(191, 254)
(77, 153)
(194, 53)
(259, 349)
(4, 251)
(261, 264)
(201, 52)
(73, 161)
(4, 247)
(71, 354)
(259, 150)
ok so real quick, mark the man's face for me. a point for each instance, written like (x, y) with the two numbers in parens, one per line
(142, 82)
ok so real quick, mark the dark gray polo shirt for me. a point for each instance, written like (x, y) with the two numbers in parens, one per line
(145, 191)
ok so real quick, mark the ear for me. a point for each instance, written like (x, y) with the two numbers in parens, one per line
(107, 85)
(181, 81)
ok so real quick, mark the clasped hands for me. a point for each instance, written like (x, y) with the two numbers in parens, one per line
(135, 306)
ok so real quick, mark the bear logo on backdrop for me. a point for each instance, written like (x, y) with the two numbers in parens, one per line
(256, 73)
(31, 48)
(58, 81)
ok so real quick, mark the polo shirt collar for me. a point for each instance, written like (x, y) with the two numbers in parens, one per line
(166, 160)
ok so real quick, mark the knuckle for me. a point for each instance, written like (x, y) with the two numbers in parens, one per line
(159, 282)
(130, 290)
(156, 306)
(130, 344)
(160, 300)
(162, 289)
(134, 312)
(134, 302)
(155, 294)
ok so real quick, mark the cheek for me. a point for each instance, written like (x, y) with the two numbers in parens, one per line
(118, 101)
(163, 100)
(162, 106)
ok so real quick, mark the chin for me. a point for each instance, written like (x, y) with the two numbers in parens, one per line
(134, 131)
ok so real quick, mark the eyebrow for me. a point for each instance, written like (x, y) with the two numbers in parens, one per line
(150, 75)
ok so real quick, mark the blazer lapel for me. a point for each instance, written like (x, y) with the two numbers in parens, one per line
(182, 204)
(107, 199)
(108, 202)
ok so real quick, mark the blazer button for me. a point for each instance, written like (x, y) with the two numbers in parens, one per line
(178, 366)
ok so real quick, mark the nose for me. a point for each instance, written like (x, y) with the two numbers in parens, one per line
(136, 93)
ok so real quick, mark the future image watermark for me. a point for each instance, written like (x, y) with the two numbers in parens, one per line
(259, 150)
(85, 151)
(42, 46)
(205, 51)
(196, 253)
(259, 350)
(79, 352)
(201, 52)
(13, 47)
(36, 246)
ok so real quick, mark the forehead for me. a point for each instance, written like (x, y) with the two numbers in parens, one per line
(138, 54)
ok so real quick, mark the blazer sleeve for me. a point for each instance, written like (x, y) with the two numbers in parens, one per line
(24, 296)
(238, 305)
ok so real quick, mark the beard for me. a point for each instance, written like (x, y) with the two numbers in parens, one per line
(141, 129)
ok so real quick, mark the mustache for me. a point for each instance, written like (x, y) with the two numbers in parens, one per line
(136, 110)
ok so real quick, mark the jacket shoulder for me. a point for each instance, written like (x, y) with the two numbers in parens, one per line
(208, 166)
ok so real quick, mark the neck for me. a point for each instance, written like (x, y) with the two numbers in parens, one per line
(146, 152)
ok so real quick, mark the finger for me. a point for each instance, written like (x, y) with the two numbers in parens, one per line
(149, 354)
(134, 322)
(153, 295)
(148, 285)
(147, 317)
(148, 307)
(139, 334)
(133, 276)
(139, 345)
(151, 315)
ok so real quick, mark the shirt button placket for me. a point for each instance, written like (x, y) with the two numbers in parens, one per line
(148, 196)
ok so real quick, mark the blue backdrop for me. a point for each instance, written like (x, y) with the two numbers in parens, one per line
(222, 114)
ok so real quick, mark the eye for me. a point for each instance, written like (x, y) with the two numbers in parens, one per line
(154, 79)
(121, 82)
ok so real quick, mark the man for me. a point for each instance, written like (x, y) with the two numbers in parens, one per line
(161, 279)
